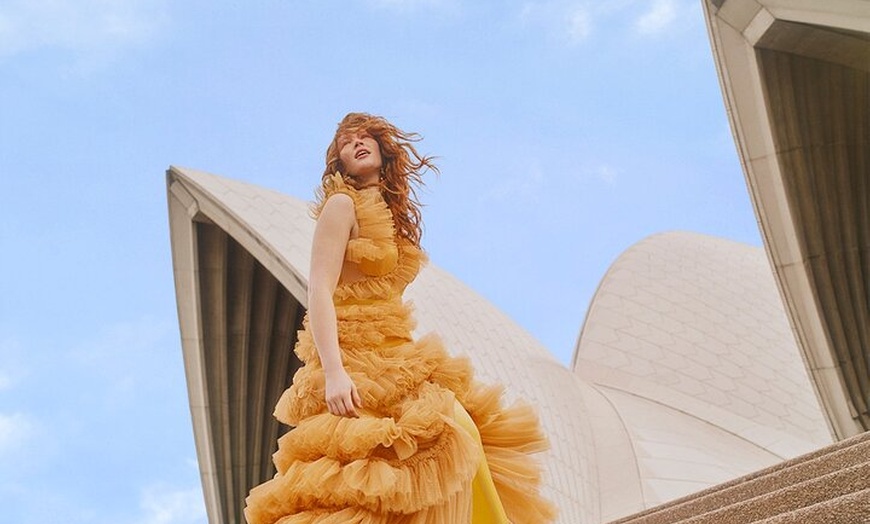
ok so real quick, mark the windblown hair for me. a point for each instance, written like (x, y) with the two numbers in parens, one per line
(402, 171)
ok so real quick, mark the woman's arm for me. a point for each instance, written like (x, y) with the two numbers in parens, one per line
(334, 226)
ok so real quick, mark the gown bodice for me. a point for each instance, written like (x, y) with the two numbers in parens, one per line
(389, 263)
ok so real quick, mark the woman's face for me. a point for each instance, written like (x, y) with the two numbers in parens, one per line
(360, 155)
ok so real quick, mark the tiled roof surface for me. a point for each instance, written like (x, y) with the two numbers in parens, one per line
(468, 324)
(688, 339)
(686, 372)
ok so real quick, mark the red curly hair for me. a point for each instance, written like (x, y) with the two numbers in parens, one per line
(401, 174)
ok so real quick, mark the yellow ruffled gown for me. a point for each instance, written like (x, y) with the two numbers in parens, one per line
(431, 445)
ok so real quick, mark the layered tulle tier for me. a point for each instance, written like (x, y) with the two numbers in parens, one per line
(380, 355)
(406, 459)
(404, 454)
(454, 509)
(380, 465)
(509, 435)
(389, 285)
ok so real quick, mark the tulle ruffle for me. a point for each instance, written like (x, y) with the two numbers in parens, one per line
(390, 285)
(454, 509)
(407, 390)
(405, 460)
(383, 375)
(375, 248)
(509, 435)
(382, 486)
(416, 459)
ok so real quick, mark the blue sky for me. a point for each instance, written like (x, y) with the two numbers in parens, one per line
(567, 130)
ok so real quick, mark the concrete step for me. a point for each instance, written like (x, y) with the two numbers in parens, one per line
(792, 498)
(853, 508)
(826, 474)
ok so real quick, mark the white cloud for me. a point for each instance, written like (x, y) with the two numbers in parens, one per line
(526, 12)
(416, 109)
(569, 22)
(600, 172)
(579, 24)
(78, 25)
(128, 356)
(121, 343)
(606, 174)
(659, 17)
(525, 186)
(413, 5)
(575, 21)
(14, 430)
(164, 505)
(12, 370)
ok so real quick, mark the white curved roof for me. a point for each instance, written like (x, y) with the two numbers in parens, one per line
(276, 229)
(685, 374)
(687, 339)
(778, 62)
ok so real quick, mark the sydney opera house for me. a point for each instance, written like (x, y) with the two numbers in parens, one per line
(712, 382)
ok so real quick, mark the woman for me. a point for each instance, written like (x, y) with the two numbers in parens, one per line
(387, 429)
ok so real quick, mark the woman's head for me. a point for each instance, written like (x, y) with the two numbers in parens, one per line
(398, 166)
(359, 157)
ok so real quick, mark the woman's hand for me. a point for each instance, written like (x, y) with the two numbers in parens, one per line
(342, 398)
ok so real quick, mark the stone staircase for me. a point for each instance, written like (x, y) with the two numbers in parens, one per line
(827, 486)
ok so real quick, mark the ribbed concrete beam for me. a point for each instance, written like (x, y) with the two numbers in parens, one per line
(263, 318)
(239, 326)
(820, 114)
(240, 303)
(794, 76)
(212, 287)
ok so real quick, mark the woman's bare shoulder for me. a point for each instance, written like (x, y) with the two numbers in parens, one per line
(338, 205)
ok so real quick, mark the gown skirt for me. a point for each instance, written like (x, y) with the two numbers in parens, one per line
(432, 445)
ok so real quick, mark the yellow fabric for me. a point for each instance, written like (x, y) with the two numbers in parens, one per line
(414, 455)
(486, 507)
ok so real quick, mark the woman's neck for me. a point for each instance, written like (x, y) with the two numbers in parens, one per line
(368, 180)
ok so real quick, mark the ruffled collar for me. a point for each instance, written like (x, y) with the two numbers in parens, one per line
(390, 263)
